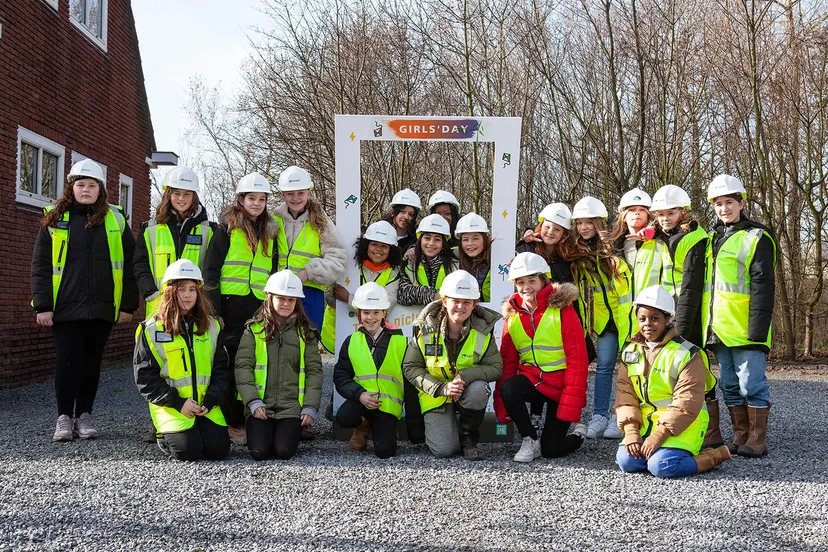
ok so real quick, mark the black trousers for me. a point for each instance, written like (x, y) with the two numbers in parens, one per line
(414, 422)
(515, 392)
(383, 426)
(232, 408)
(79, 347)
(205, 439)
(273, 438)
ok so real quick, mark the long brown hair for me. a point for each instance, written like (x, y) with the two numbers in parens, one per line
(98, 209)
(165, 211)
(620, 227)
(585, 254)
(261, 230)
(266, 315)
(316, 215)
(171, 316)
(484, 259)
(563, 249)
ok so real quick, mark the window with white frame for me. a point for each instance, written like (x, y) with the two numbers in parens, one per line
(125, 195)
(90, 16)
(39, 169)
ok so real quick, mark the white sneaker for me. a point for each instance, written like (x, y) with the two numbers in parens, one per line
(63, 429)
(580, 430)
(597, 426)
(84, 428)
(612, 431)
(529, 450)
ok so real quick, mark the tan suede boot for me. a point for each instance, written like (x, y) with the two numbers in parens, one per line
(741, 426)
(359, 440)
(708, 459)
(756, 446)
(713, 437)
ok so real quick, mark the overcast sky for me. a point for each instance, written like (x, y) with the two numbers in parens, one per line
(183, 38)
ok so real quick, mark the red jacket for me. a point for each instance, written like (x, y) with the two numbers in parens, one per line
(566, 387)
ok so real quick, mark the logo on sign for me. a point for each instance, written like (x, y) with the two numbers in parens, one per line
(351, 200)
(459, 129)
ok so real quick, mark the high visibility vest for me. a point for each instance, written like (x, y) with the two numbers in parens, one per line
(243, 271)
(672, 277)
(727, 289)
(388, 379)
(611, 300)
(439, 367)
(305, 248)
(161, 252)
(545, 349)
(486, 290)
(260, 368)
(115, 225)
(649, 265)
(187, 370)
(655, 390)
(422, 277)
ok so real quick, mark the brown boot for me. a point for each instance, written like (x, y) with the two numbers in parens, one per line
(709, 458)
(741, 426)
(359, 440)
(755, 446)
(713, 437)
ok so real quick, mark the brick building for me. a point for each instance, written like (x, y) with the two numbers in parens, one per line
(71, 86)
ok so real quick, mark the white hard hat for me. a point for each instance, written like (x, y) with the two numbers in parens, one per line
(557, 213)
(527, 264)
(182, 269)
(460, 285)
(382, 232)
(181, 178)
(636, 196)
(295, 178)
(434, 224)
(589, 207)
(86, 168)
(723, 185)
(442, 196)
(285, 283)
(656, 297)
(670, 197)
(471, 222)
(371, 296)
(407, 197)
(253, 182)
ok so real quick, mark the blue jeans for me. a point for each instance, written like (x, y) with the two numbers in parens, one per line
(607, 354)
(742, 377)
(665, 462)
(314, 304)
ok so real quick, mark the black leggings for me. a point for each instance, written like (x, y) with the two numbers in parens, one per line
(273, 438)
(79, 347)
(232, 407)
(383, 426)
(515, 392)
(205, 438)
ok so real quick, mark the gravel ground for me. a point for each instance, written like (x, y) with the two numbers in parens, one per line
(118, 493)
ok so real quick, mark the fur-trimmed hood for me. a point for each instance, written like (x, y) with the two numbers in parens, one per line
(482, 319)
(557, 296)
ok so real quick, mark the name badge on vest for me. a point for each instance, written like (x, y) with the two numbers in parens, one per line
(631, 357)
(434, 349)
(163, 337)
(193, 239)
(63, 225)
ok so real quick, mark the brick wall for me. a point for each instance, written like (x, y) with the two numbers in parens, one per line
(56, 82)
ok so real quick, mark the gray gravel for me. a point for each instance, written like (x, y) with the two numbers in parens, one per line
(118, 493)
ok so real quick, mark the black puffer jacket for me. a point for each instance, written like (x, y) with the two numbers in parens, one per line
(180, 231)
(343, 376)
(86, 289)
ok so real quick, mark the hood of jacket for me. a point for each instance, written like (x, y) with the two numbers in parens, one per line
(482, 319)
(556, 296)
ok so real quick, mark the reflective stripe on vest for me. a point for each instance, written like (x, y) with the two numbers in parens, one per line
(672, 277)
(545, 350)
(242, 271)
(440, 368)
(260, 368)
(611, 300)
(185, 370)
(648, 265)
(115, 225)
(655, 390)
(305, 248)
(727, 289)
(388, 380)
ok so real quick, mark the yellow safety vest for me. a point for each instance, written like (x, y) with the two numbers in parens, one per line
(243, 271)
(545, 350)
(422, 277)
(305, 248)
(186, 370)
(388, 379)
(611, 300)
(672, 277)
(649, 261)
(115, 225)
(260, 369)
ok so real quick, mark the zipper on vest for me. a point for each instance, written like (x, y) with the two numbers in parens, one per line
(534, 332)
(60, 253)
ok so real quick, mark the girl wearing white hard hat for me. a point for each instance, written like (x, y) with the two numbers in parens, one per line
(82, 284)
(551, 240)
(544, 361)
(631, 228)
(660, 396)
(279, 370)
(368, 374)
(603, 280)
(451, 361)
(402, 214)
(432, 261)
(309, 244)
(738, 311)
(475, 251)
(241, 256)
(179, 230)
(446, 205)
(182, 370)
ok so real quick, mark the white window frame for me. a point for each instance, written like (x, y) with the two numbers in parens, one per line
(29, 198)
(53, 3)
(81, 26)
(124, 180)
